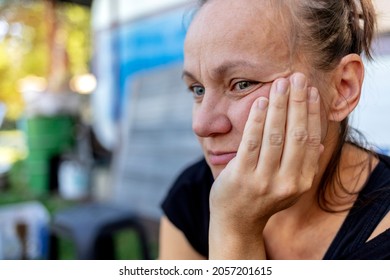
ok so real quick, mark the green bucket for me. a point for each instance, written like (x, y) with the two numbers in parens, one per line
(46, 137)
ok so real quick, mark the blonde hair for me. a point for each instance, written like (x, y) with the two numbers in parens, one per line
(331, 29)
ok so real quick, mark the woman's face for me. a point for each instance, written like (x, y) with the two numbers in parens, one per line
(233, 52)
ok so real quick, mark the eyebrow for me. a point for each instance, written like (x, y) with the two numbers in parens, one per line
(224, 68)
(187, 74)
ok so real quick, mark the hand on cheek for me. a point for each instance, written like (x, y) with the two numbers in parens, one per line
(275, 164)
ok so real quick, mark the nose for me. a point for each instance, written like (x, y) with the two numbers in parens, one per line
(210, 117)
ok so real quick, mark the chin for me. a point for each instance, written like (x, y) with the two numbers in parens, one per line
(216, 170)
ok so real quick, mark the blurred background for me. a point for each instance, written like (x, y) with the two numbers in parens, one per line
(95, 122)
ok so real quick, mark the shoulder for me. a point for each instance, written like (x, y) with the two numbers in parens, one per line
(385, 160)
(379, 180)
(186, 205)
(365, 233)
(377, 214)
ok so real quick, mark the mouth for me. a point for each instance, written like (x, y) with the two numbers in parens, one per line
(221, 158)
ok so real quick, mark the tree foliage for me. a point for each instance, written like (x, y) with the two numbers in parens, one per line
(25, 47)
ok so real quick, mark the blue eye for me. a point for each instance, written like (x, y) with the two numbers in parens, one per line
(198, 90)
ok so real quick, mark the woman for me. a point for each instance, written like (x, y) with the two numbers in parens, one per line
(274, 83)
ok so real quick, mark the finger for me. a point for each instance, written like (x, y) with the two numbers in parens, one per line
(313, 150)
(274, 130)
(296, 128)
(249, 149)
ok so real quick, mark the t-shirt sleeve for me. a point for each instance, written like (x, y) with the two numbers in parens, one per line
(187, 205)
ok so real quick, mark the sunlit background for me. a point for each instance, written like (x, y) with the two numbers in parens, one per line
(93, 115)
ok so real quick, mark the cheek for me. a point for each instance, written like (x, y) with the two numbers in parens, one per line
(324, 123)
(239, 110)
(324, 114)
(238, 115)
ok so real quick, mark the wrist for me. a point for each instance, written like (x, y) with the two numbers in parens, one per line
(235, 242)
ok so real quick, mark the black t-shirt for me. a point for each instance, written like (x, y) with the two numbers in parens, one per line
(187, 207)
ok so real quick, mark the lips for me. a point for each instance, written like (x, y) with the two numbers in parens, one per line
(221, 158)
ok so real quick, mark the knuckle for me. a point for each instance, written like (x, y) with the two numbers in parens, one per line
(314, 141)
(252, 144)
(288, 191)
(305, 185)
(264, 185)
(300, 134)
(279, 105)
(289, 188)
(276, 139)
(293, 187)
(298, 99)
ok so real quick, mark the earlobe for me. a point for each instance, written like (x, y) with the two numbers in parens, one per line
(348, 82)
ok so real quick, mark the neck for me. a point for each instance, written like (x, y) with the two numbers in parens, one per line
(354, 168)
(308, 203)
(306, 230)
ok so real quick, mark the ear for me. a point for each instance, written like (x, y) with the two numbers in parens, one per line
(348, 80)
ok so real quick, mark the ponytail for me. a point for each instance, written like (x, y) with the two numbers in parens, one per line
(330, 29)
(363, 25)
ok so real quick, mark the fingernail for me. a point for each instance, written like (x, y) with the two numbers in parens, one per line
(299, 81)
(313, 95)
(262, 103)
(281, 86)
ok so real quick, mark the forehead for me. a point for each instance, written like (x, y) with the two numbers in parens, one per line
(240, 30)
